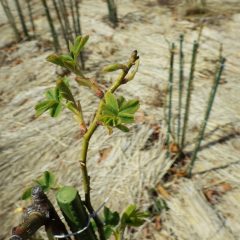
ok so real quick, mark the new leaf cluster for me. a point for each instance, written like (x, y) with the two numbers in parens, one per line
(118, 111)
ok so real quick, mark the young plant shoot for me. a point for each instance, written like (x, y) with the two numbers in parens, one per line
(112, 112)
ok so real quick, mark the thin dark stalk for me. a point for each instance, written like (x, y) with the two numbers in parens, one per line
(61, 23)
(180, 87)
(51, 25)
(207, 114)
(189, 92)
(79, 30)
(170, 90)
(74, 24)
(10, 19)
(31, 17)
(112, 10)
(200, 32)
(63, 10)
(22, 20)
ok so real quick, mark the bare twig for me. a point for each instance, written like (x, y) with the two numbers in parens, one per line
(40, 213)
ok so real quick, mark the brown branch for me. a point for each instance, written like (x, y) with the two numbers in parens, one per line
(40, 213)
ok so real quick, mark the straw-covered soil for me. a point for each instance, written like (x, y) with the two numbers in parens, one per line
(124, 166)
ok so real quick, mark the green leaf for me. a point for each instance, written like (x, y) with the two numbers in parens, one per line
(73, 47)
(120, 101)
(44, 106)
(114, 67)
(56, 59)
(83, 81)
(108, 231)
(53, 94)
(123, 128)
(116, 112)
(126, 117)
(111, 218)
(56, 110)
(108, 110)
(111, 101)
(27, 194)
(66, 57)
(82, 43)
(72, 108)
(129, 106)
(133, 216)
(78, 45)
(64, 89)
(47, 181)
(65, 61)
(53, 103)
(59, 59)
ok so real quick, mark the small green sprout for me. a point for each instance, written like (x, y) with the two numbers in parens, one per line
(116, 224)
(117, 111)
(112, 112)
(47, 181)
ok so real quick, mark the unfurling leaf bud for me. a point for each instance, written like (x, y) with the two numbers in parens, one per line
(114, 67)
(99, 93)
(134, 56)
(132, 74)
(83, 129)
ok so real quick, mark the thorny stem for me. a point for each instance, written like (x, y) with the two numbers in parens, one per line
(207, 114)
(87, 136)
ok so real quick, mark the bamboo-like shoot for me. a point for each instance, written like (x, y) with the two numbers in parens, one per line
(180, 87)
(170, 90)
(207, 114)
(189, 92)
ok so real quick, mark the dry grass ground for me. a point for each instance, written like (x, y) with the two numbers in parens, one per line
(205, 207)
